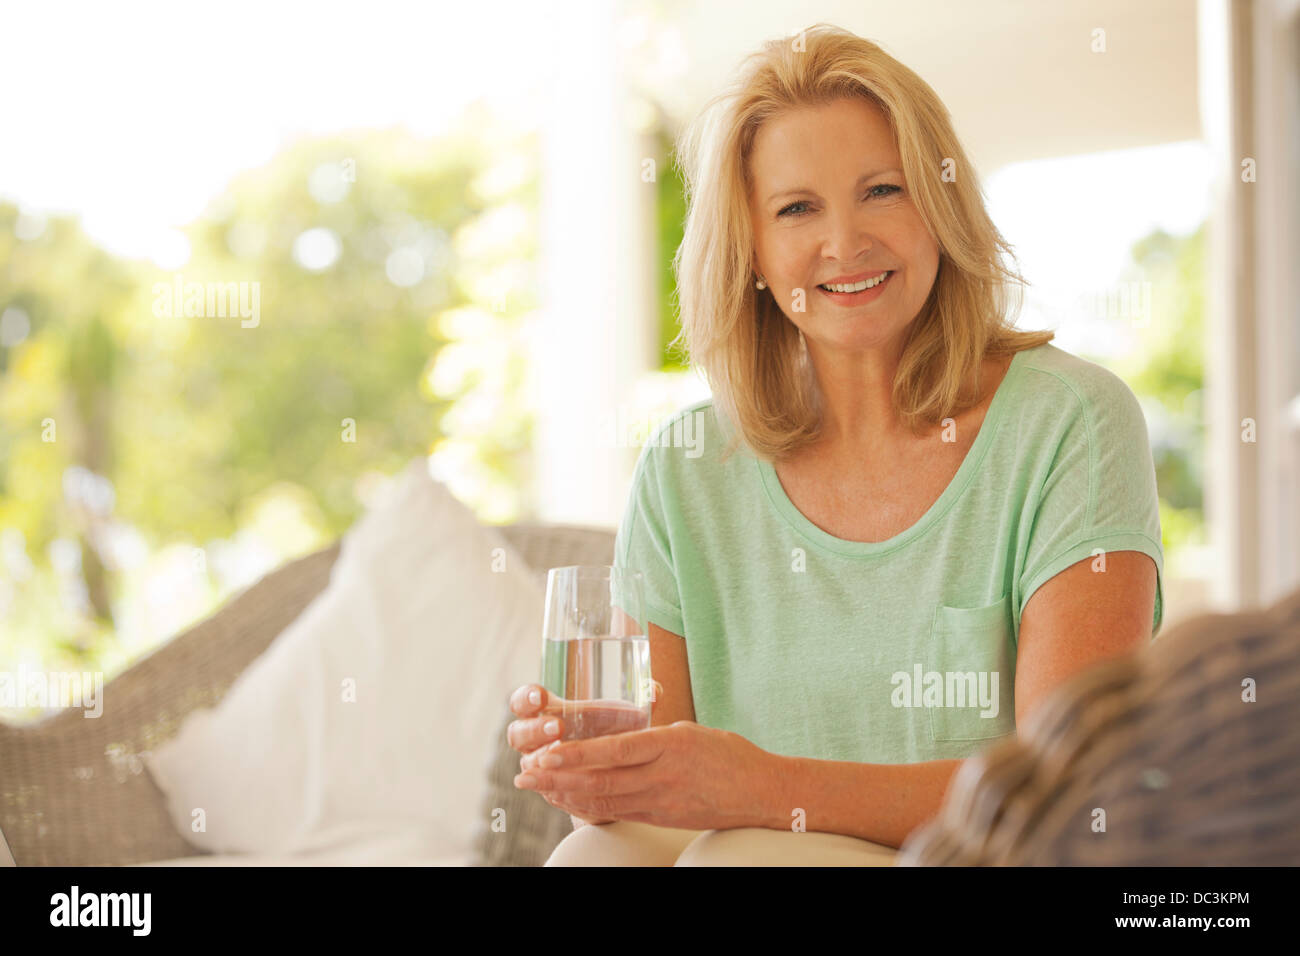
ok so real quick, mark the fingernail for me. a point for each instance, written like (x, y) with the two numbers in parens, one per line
(525, 780)
(550, 761)
(535, 697)
(551, 727)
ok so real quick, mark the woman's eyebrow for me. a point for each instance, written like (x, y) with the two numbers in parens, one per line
(804, 189)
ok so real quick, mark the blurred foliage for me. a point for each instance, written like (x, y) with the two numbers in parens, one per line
(58, 393)
(1166, 370)
(671, 209)
(392, 274)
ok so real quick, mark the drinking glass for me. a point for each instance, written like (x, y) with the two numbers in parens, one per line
(595, 652)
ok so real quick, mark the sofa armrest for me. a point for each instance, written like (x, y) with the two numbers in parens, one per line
(74, 791)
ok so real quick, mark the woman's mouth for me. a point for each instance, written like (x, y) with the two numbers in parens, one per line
(857, 292)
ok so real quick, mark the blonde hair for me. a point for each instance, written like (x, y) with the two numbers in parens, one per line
(752, 355)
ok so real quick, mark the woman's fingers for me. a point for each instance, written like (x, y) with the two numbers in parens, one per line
(529, 734)
(528, 700)
(540, 721)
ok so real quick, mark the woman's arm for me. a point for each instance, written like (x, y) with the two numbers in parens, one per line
(880, 802)
(1081, 617)
(668, 665)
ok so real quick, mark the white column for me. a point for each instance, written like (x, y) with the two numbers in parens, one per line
(592, 339)
(1231, 501)
(1248, 76)
(1276, 37)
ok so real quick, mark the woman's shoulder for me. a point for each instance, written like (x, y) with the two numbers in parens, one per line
(1062, 391)
(687, 446)
(687, 430)
(1047, 364)
(1048, 372)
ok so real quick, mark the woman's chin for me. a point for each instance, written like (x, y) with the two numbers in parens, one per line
(861, 336)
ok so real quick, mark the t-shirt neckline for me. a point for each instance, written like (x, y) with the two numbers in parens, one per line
(969, 466)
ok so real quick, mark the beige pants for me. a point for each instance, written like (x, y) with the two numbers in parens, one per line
(623, 843)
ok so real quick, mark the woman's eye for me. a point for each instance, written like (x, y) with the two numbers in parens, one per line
(889, 188)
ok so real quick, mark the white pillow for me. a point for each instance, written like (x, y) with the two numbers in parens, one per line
(6, 858)
(433, 639)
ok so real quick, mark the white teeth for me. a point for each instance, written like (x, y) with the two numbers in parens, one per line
(859, 286)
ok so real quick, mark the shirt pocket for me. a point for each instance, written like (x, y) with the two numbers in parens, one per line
(972, 649)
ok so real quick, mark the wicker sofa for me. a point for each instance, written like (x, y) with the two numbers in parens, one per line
(75, 792)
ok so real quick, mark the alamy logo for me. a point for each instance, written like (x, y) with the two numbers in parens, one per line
(48, 689)
(102, 909)
(210, 300)
(946, 689)
(621, 428)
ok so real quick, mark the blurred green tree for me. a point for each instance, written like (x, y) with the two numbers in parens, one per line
(1166, 370)
(357, 261)
(61, 361)
(671, 208)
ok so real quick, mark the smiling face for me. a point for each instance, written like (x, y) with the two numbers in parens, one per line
(828, 202)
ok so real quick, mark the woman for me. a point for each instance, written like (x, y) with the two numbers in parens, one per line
(934, 519)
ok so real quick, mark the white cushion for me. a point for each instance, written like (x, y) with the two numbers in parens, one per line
(392, 849)
(434, 627)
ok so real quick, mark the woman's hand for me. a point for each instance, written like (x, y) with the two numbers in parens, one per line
(681, 775)
(542, 725)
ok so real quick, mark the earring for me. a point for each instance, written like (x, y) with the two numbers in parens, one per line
(760, 284)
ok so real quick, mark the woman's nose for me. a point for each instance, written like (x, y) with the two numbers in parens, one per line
(847, 239)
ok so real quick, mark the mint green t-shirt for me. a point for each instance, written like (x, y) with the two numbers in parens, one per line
(895, 651)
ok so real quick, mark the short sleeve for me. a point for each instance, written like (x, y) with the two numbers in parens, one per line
(644, 543)
(1099, 493)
